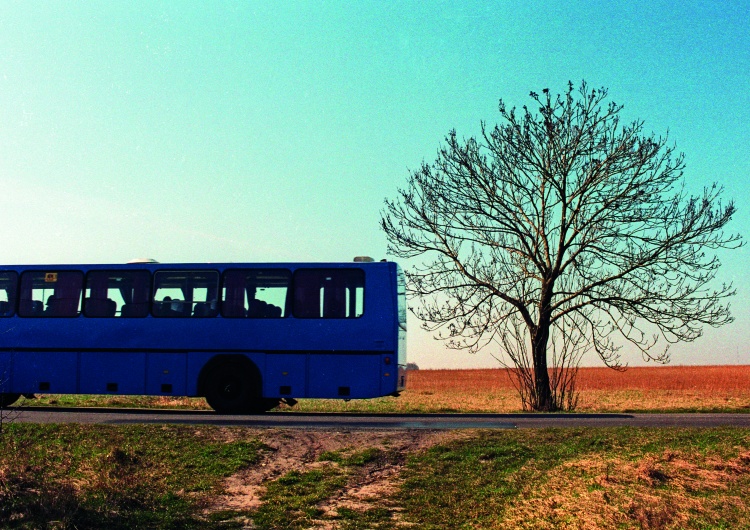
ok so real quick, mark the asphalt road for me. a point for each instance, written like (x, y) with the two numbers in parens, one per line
(298, 420)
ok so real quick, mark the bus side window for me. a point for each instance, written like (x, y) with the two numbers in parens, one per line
(135, 292)
(117, 293)
(185, 294)
(8, 286)
(60, 291)
(328, 293)
(255, 293)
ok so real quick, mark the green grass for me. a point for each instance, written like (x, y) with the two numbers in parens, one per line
(377, 405)
(290, 501)
(485, 481)
(94, 476)
(113, 477)
(118, 401)
(350, 457)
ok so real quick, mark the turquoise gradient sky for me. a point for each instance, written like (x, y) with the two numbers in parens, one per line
(266, 131)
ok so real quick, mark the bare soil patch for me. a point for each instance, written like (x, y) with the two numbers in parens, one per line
(297, 450)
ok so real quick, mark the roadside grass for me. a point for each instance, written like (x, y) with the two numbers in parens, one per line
(466, 400)
(117, 401)
(84, 476)
(576, 478)
(506, 401)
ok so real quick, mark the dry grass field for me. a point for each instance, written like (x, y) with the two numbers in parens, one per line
(661, 388)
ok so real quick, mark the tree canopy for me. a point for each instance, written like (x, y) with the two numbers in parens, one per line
(560, 231)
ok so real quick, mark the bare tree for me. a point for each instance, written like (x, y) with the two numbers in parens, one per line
(557, 232)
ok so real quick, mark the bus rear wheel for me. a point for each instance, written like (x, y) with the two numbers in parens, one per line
(233, 389)
(6, 400)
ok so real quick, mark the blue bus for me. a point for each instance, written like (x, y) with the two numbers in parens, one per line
(244, 336)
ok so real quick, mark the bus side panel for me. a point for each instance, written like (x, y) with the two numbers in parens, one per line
(195, 363)
(4, 372)
(285, 375)
(344, 375)
(389, 374)
(48, 372)
(113, 373)
(166, 374)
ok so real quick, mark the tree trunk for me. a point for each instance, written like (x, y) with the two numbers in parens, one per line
(539, 339)
(543, 390)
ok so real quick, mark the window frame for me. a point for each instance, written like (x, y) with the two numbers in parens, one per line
(214, 312)
(12, 294)
(297, 306)
(45, 313)
(119, 272)
(286, 311)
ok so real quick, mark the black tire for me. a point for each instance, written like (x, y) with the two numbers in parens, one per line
(233, 388)
(266, 404)
(6, 400)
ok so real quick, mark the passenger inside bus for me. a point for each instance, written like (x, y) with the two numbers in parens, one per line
(51, 306)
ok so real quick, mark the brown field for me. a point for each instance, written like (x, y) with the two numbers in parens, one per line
(673, 388)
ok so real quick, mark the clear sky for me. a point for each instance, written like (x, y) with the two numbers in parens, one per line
(268, 131)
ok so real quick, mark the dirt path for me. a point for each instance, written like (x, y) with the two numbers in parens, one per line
(296, 450)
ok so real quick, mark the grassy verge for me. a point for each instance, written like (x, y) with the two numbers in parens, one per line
(84, 476)
(596, 478)
(75, 476)
(90, 400)
(463, 400)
